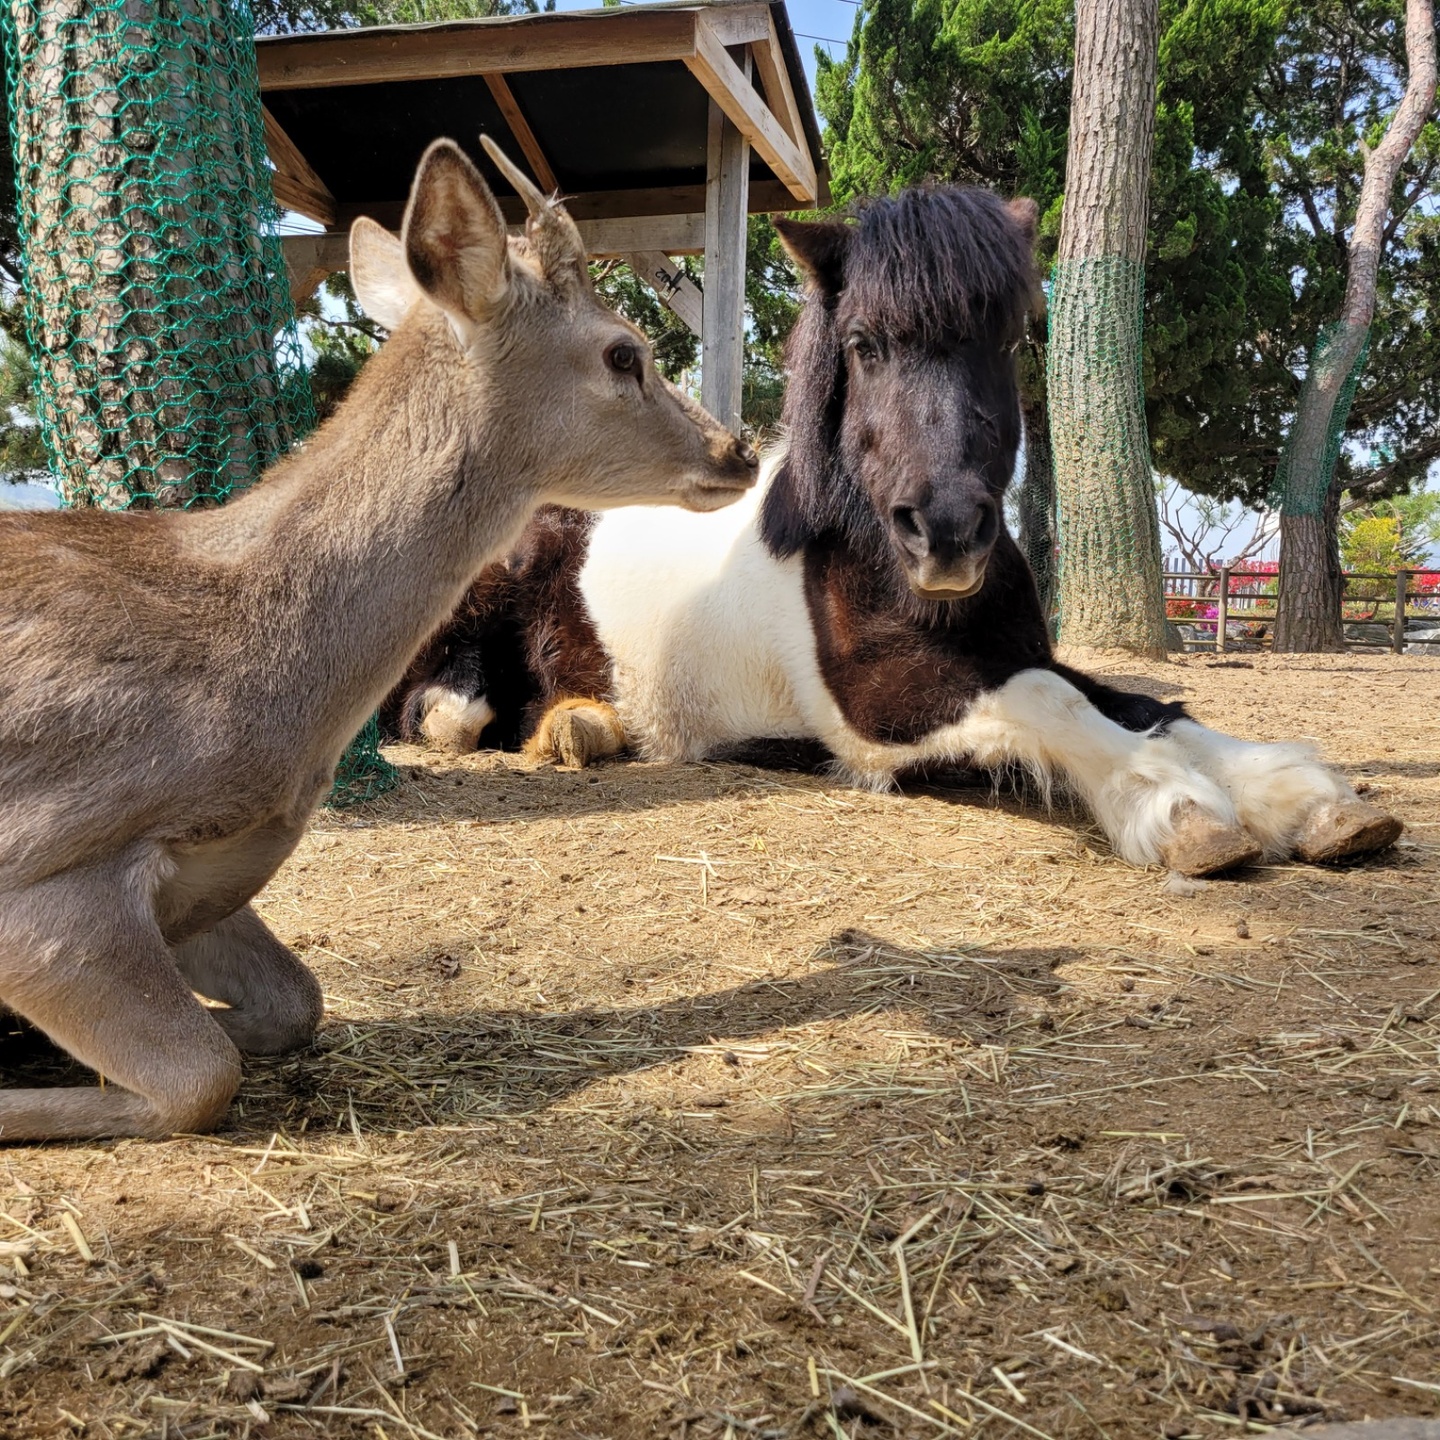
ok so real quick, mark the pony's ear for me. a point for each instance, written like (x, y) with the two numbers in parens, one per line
(454, 236)
(1026, 214)
(818, 248)
(378, 272)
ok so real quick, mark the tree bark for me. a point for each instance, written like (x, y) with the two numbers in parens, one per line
(1110, 591)
(1308, 614)
(152, 297)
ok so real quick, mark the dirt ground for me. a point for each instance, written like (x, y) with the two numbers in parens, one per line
(707, 1101)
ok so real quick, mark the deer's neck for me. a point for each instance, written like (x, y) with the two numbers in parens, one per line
(359, 546)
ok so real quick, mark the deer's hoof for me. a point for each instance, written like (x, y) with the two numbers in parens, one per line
(1344, 830)
(1203, 845)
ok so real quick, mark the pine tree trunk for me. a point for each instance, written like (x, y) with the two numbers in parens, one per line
(1110, 590)
(151, 300)
(1308, 612)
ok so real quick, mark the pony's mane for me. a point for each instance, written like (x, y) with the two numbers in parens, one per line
(935, 266)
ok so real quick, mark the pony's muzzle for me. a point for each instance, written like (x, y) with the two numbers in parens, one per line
(945, 555)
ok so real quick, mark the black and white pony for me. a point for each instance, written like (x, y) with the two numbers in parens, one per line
(867, 594)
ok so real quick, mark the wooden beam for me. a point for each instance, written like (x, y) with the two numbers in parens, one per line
(628, 235)
(775, 77)
(479, 47)
(504, 97)
(296, 185)
(730, 88)
(674, 288)
(310, 258)
(722, 342)
(739, 24)
(764, 196)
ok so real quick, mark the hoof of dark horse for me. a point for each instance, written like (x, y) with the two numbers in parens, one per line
(1203, 845)
(1345, 830)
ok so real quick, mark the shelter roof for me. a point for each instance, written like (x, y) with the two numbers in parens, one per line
(611, 107)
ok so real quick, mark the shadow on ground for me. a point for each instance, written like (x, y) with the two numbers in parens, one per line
(449, 1068)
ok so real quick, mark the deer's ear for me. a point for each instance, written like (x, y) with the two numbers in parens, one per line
(818, 248)
(454, 236)
(378, 272)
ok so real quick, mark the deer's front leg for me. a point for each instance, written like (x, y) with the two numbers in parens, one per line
(274, 1002)
(84, 963)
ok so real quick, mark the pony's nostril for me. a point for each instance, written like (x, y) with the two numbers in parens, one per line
(747, 454)
(910, 528)
(986, 528)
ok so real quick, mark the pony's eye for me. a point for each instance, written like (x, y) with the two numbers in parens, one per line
(863, 348)
(623, 358)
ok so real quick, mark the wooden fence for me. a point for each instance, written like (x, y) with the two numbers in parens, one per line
(1243, 611)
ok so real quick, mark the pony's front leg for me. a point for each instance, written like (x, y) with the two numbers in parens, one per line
(577, 732)
(1154, 807)
(1287, 798)
(451, 709)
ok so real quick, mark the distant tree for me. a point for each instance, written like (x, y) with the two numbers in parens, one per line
(1359, 223)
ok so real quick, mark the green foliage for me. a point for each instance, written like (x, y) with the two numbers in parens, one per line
(1409, 523)
(968, 91)
(286, 16)
(1371, 544)
(22, 449)
(341, 338)
(772, 299)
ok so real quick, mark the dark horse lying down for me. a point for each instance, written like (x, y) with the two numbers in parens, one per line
(867, 595)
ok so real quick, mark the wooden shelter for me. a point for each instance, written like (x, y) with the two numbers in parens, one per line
(663, 126)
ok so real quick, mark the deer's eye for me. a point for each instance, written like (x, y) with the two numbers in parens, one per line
(623, 358)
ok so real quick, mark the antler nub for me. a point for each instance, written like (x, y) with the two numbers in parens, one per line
(535, 202)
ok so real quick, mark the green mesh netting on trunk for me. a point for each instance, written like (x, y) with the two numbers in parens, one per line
(1109, 585)
(1312, 449)
(169, 370)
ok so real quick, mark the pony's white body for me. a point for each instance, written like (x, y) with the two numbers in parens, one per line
(711, 642)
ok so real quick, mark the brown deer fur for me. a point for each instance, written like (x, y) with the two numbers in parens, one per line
(175, 689)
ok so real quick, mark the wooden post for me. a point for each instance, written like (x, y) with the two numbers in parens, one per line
(1222, 610)
(722, 328)
(1397, 627)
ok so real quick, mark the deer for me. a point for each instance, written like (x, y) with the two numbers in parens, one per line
(176, 688)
